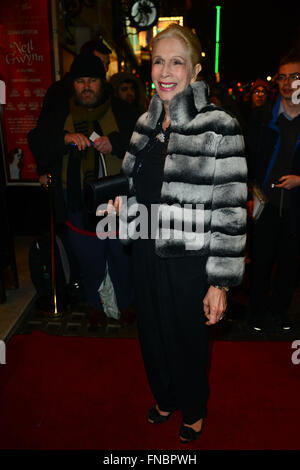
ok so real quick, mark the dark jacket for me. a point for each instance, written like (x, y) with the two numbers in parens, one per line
(205, 168)
(262, 144)
(46, 140)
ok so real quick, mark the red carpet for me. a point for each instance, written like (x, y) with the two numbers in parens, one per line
(84, 393)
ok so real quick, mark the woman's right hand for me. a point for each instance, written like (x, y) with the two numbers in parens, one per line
(80, 140)
(215, 304)
(112, 207)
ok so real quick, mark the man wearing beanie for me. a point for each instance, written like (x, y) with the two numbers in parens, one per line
(62, 145)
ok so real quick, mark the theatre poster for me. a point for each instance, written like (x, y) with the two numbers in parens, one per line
(26, 72)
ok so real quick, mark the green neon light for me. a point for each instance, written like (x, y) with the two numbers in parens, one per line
(218, 23)
(217, 58)
(218, 15)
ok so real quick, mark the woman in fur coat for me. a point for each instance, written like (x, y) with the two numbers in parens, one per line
(187, 217)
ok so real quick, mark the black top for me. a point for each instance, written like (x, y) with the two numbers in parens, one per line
(149, 167)
(148, 176)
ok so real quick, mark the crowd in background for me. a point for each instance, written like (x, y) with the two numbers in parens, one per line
(126, 98)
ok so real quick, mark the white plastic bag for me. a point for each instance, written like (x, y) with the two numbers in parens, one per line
(108, 297)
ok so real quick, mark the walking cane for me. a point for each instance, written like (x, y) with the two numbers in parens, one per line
(54, 313)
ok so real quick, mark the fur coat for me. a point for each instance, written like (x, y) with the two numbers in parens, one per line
(205, 170)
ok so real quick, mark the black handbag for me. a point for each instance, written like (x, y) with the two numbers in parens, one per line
(102, 190)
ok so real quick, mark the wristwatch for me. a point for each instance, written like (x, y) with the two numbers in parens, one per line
(226, 289)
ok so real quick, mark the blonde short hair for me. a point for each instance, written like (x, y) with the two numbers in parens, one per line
(186, 35)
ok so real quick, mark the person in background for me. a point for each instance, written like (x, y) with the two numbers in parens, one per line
(257, 101)
(257, 97)
(130, 88)
(184, 154)
(273, 140)
(58, 95)
(259, 93)
(61, 145)
(60, 92)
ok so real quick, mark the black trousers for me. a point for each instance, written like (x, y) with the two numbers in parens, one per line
(274, 265)
(172, 332)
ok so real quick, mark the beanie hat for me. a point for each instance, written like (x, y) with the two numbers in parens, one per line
(259, 82)
(87, 65)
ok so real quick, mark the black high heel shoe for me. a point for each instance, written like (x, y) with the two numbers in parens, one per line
(187, 434)
(154, 417)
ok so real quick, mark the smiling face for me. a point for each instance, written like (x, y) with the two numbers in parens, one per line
(172, 70)
(287, 74)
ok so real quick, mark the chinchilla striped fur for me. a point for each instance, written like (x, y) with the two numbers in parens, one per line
(204, 166)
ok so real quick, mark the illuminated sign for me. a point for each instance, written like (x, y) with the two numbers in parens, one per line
(165, 21)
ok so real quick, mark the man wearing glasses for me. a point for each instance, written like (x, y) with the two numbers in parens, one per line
(274, 160)
(259, 93)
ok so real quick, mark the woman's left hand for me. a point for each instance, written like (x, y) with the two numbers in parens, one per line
(215, 304)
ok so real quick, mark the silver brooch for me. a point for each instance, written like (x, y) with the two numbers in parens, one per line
(161, 137)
